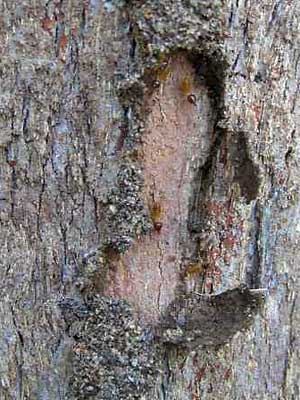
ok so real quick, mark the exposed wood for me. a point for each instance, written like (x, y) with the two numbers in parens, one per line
(149, 273)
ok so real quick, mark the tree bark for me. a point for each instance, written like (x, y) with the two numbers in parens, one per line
(149, 199)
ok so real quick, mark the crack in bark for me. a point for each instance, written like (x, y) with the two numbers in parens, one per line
(161, 276)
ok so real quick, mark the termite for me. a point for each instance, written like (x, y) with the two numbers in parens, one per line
(193, 269)
(156, 214)
(186, 87)
(163, 73)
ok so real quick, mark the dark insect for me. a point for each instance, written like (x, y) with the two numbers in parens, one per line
(163, 74)
(156, 84)
(192, 99)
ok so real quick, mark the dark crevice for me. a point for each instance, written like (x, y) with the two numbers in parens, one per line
(124, 129)
(253, 273)
(231, 15)
(212, 70)
(13, 192)
(132, 50)
(202, 182)
(167, 374)
(236, 61)
(246, 173)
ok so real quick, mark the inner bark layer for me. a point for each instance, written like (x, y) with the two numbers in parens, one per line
(176, 143)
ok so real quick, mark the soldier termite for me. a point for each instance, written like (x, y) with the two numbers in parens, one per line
(186, 87)
(193, 269)
(156, 212)
(163, 74)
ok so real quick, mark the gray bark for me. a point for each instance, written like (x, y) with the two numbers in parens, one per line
(148, 191)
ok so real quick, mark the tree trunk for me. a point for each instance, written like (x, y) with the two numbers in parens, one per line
(149, 199)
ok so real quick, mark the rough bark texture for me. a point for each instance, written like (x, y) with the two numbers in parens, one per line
(148, 188)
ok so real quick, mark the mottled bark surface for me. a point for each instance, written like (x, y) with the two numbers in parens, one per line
(149, 152)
